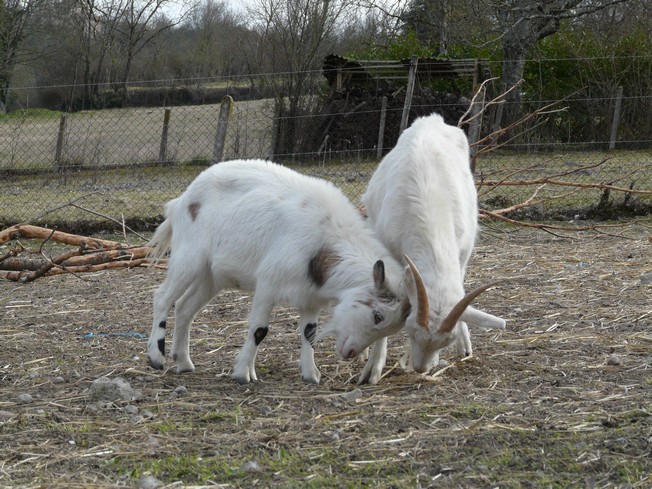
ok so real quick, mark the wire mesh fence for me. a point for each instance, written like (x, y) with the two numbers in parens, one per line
(103, 167)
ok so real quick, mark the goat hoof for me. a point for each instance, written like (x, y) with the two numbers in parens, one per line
(241, 380)
(154, 364)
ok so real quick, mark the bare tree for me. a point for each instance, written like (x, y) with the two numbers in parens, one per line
(293, 36)
(138, 23)
(521, 25)
(15, 16)
(516, 25)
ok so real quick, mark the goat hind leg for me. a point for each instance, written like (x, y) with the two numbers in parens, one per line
(164, 297)
(187, 307)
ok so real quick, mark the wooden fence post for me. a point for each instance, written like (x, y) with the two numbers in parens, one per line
(60, 139)
(163, 150)
(616, 119)
(408, 93)
(381, 128)
(222, 124)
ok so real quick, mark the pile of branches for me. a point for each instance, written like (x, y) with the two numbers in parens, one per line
(21, 264)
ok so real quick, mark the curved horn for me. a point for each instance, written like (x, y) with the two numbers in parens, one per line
(423, 311)
(451, 320)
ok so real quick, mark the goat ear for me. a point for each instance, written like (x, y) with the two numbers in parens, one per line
(379, 274)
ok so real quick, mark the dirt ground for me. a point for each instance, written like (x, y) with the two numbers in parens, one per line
(562, 398)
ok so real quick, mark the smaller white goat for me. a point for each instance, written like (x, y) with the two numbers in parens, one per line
(294, 239)
(421, 202)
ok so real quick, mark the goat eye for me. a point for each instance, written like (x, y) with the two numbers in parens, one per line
(378, 317)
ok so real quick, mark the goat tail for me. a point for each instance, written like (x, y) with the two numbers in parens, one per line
(161, 240)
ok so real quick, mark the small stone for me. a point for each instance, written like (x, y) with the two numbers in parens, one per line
(147, 414)
(180, 390)
(58, 380)
(352, 395)
(148, 482)
(153, 442)
(266, 410)
(92, 408)
(24, 399)
(251, 466)
(106, 389)
(130, 409)
(137, 419)
(646, 278)
(6, 415)
(614, 360)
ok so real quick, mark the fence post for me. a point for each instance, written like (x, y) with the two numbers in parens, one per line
(60, 139)
(408, 93)
(381, 128)
(162, 152)
(222, 124)
(616, 119)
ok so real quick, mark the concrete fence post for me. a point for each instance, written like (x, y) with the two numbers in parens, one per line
(60, 140)
(381, 128)
(616, 119)
(222, 125)
(408, 93)
(163, 150)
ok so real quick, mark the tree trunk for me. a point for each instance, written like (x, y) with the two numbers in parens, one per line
(513, 67)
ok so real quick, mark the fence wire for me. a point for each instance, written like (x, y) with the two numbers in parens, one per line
(101, 168)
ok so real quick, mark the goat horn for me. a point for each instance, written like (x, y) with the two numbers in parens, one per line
(423, 311)
(451, 320)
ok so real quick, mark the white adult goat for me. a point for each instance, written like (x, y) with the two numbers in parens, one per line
(295, 239)
(422, 203)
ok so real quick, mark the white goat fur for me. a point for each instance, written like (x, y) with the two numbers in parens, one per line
(293, 239)
(421, 201)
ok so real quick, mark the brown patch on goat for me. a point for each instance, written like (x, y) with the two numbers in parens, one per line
(194, 210)
(321, 265)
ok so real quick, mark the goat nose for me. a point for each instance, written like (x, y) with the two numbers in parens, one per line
(419, 369)
(351, 354)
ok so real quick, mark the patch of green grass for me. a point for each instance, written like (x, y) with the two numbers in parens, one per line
(29, 113)
(222, 416)
(122, 192)
(286, 467)
(473, 410)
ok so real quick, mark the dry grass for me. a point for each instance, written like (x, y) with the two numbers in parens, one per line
(560, 399)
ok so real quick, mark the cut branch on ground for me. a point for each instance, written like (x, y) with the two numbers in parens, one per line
(90, 255)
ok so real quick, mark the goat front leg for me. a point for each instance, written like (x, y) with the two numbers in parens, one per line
(244, 370)
(373, 369)
(464, 340)
(308, 329)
